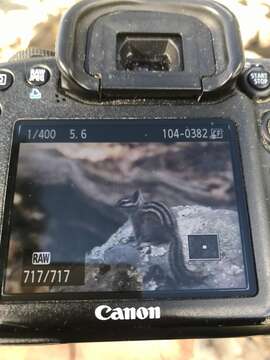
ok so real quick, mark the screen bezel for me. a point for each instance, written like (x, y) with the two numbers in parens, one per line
(240, 191)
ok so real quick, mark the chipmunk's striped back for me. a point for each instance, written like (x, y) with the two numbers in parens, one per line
(161, 212)
(156, 223)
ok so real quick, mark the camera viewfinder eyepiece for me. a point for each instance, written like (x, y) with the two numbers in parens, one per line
(149, 52)
(132, 49)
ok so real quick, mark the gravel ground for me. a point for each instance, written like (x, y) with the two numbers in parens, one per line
(35, 23)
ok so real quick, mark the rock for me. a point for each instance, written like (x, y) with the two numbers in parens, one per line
(7, 5)
(251, 55)
(264, 33)
(147, 266)
(244, 14)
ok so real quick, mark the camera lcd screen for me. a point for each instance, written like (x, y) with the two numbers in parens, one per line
(131, 207)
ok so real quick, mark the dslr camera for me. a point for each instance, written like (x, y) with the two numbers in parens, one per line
(135, 178)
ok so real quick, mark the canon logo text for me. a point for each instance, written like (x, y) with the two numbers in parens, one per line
(105, 312)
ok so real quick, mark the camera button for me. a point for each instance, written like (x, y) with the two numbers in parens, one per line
(259, 79)
(38, 76)
(6, 79)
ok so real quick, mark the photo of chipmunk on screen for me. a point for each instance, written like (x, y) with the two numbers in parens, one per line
(146, 217)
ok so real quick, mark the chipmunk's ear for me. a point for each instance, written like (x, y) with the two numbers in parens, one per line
(138, 197)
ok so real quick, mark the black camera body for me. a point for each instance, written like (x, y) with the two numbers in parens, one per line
(134, 179)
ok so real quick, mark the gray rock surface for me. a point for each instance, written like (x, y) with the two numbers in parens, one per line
(126, 266)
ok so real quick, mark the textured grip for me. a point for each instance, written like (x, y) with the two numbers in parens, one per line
(31, 53)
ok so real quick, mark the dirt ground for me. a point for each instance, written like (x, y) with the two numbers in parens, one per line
(35, 23)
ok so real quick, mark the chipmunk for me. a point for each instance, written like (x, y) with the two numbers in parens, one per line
(154, 222)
